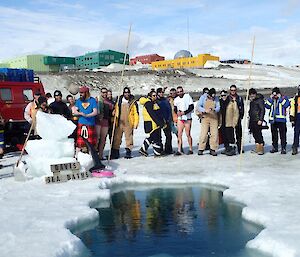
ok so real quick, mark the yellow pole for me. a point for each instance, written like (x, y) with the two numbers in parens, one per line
(247, 103)
(120, 92)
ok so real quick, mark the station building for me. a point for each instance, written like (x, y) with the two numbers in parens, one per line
(146, 59)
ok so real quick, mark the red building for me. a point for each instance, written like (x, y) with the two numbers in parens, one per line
(146, 59)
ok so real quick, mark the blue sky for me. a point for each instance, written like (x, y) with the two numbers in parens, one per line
(224, 28)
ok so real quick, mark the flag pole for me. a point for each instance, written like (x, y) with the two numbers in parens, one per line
(247, 103)
(119, 94)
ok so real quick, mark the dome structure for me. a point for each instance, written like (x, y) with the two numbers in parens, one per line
(183, 54)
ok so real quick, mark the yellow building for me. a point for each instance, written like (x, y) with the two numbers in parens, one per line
(184, 62)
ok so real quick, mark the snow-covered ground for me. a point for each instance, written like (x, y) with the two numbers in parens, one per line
(36, 218)
(194, 80)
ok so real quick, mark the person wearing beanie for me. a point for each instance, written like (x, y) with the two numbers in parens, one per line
(126, 114)
(59, 107)
(86, 109)
(295, 120)
(209, 106)
(256, 118)
(278, 104)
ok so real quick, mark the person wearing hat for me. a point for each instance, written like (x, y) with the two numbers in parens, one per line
(277, 104)
(126, 114)
(86, 109)
(59, 107)
(295, 120)
(209, 107)
(31, 109)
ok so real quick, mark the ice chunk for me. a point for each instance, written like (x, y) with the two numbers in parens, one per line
(38, 167)
(45, 148)
(85, 160)
(53, 126)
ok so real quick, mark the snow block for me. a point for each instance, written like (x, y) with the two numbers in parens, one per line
(53, 126)
(45, 148)
(38, 167)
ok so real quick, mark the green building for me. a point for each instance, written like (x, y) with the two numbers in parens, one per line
(33, 62)
(100, 58)
(58, 60)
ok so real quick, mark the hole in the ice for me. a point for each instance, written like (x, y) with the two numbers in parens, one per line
(170, 222)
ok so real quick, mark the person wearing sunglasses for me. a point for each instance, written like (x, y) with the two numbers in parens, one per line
(126, 120)
(184, 106)
(102, 120)
(222, 99)
(233, 112)
(153, 124)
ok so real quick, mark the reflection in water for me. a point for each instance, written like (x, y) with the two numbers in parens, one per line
(182, 221)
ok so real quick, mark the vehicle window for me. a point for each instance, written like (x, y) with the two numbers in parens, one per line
(28, 95)
(5, 94)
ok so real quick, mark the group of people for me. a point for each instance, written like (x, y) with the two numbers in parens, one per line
(221, 120)
(220, 116)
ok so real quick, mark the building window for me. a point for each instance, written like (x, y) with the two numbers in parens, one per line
(5, 94)
(112, 57)
(106, 57)
(28, 95)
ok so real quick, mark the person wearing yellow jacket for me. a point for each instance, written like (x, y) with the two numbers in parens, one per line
(295, 120)
(153, 123)
(126, 120)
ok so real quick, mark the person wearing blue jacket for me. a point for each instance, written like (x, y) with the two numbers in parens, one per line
(166, 112)
(208, 107)
(277, 104)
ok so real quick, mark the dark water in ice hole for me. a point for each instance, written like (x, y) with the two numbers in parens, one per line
(171, 222)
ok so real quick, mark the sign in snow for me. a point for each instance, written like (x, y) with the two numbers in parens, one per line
(58, 178)
(65, 166)
(71, 173)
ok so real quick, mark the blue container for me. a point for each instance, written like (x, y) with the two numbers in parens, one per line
(17, 75)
